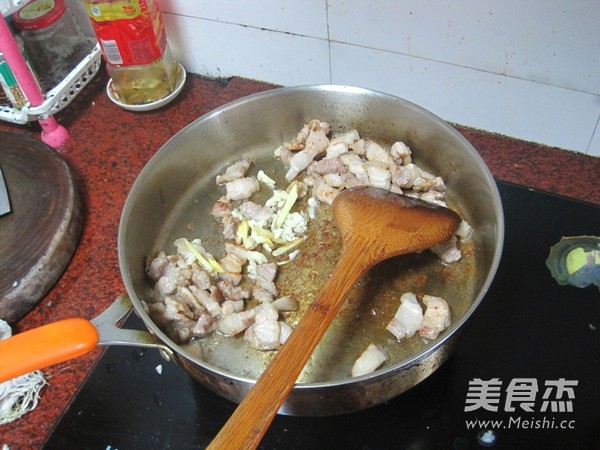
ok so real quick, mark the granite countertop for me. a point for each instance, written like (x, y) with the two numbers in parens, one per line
(110, 146)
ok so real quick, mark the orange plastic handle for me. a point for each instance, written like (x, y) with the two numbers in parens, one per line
(41, 347)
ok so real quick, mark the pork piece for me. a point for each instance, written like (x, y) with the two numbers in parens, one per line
(325, 127)
(284, 332)
(358, 147)
(351, 181)
(375, 152)
(298, 142)
(176, 316)
(286, 303)
(448, 251)
(335, 149)
(222, 211)
(433, 197)
(265, 332)
(200, 278)
(284, 154)
(335, 180)
(233, 172)
(437, 317)
(373, 357)
(341, 144)
(186, 296)
(157, 266)
(395, 189)
(401, 153)
(234, 259)
(231, 307)
(408, 317)
(267, 271)
(233, 262)
(327, 165)
(261, 295)
(464, 231)
(349, 137)
(379, 175)
(207, 300)
(263, 287)
(316, 143)
(231, 292)
(205, 325)
(168, 282)
(405, 176)
(324, 192)
(175, 274)
(356, 166)
(253, 211)
(157, 312)
(221, 208)
(428, 182)
(235, 323)
(241, 188)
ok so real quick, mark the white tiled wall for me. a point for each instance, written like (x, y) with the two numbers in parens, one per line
(525, 69)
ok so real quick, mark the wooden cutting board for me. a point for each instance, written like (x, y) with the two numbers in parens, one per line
(40, 234)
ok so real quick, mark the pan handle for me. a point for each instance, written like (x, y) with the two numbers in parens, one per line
(67, 339)
(46, 345)
(110, 334)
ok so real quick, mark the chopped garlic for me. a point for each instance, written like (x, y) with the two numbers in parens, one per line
(264, 178)
(254, 259)
(257, 257)
(313, 203)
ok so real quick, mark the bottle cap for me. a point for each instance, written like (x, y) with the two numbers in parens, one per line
(39, 14)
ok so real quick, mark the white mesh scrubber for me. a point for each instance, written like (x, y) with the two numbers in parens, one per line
(21, 394)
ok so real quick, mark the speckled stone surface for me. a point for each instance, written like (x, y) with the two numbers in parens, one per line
(110, 146)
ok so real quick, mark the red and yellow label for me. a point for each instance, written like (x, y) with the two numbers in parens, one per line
(129, 32)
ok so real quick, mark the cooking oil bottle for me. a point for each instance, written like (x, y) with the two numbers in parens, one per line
(134, 44)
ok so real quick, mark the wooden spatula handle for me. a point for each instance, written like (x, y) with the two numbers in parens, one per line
(375, 225)
(251, 419)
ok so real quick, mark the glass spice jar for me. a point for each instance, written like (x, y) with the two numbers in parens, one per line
(53, 39)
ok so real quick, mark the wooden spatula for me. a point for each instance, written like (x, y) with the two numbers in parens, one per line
(375, 225)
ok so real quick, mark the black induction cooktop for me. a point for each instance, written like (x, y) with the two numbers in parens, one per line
(525, 374)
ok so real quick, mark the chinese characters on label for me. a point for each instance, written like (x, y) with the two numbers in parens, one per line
(521, 394)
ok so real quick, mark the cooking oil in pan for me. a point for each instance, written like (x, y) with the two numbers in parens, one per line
(363, 319)
(366, 312)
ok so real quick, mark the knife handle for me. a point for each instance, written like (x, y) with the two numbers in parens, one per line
(46, 345)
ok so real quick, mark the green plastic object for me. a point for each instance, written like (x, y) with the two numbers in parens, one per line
(576, 261)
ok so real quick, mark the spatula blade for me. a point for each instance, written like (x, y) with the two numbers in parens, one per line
(4, 200)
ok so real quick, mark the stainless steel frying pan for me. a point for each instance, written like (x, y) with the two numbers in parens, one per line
(172, 197)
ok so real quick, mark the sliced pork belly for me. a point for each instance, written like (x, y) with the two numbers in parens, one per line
(437, 317)
(408, 318)
(233, 172)
(373, 357)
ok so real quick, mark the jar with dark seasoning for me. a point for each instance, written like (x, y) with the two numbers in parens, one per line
(53, 39)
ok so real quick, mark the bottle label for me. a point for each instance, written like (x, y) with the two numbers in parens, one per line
(9, 82)
(129, 32)
(11, 87)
